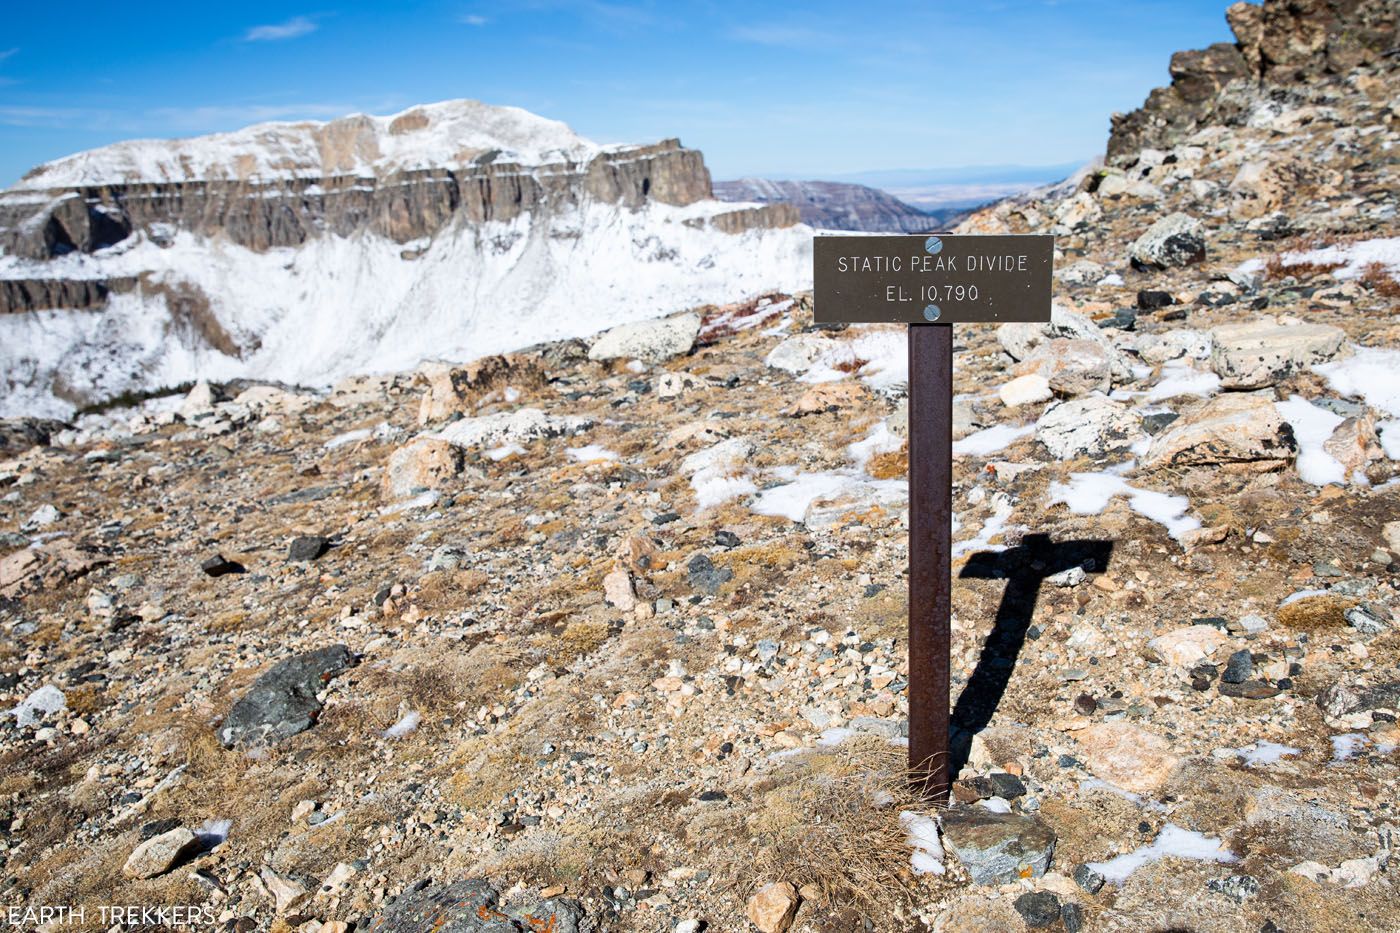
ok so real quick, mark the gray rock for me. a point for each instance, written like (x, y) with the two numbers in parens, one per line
(1088, 427)
(1019, 340)
(998, 848)
(1238, 888)
(282, 702)
(1344, 699)
(307, 548)
(473, 906)
(159, 854)
(1260, 353)
(649, 341)
(705, 576)
(1088, 878)
(1038, 908)
(1175, 240)
(1239, 668)
(1368, 619)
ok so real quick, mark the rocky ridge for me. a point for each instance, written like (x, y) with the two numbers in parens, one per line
(831, 205)
(628, 635)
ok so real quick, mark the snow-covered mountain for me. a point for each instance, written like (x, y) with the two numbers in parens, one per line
(304, 252)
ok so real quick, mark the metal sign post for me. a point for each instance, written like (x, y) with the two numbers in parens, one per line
(930, 283)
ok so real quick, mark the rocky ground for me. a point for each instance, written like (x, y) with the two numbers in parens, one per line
(610, 635)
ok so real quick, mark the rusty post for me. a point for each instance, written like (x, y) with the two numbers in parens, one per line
(930, 548)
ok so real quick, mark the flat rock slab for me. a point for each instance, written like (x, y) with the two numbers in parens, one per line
(1260, 353)
(282, 702)
(1235, 428)
(159, 854)
(998, 848)
(1088, 427)
(648, 341)
(1126, 756)
(473, 906)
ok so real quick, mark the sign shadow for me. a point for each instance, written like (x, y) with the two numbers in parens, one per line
(1024, 568)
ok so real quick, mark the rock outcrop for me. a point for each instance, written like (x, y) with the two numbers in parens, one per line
(1277, 43)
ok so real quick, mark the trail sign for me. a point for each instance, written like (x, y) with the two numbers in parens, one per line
(930, 282)
(932, 279)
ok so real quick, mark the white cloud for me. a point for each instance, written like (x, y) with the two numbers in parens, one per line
(472, 19)
(7, 53)
(792, 37)
(293, 28)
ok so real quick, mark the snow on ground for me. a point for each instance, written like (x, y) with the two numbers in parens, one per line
(1370, 374)
(404, 726)
(990, 440)
(1171, 842)
(338, 306)
(880, 440)
(1090, 493)
(1312, 426)
(720, 472)
(1356, 256)
(1262, 753)
(927, 858)
(1180, 378)
(792, 499)
(1002, 507)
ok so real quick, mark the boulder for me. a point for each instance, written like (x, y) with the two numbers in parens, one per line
(1228, 429)
(1260, 353)
(1019, 339)
(451, 388)
(158, 855)
(1072, 366)
(649, 341)
(772, 908)
(1088, 427)
(283, 701)
(998, 848)
(1175, 240)
(510, 427)
(1025, 390)
(1127, 756)
(423, 463)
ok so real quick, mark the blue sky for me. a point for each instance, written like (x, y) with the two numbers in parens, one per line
(778, 89)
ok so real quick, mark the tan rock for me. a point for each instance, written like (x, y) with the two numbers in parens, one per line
(1072, 366)
(422, 463)
(1187, 646)
(16, 568)
(1025, 390)
(285, 892)
(1127, 756)
(159, 854)
(638, 554)
(827, 396)
(1229, 429)
(1354, 443)
(617, 590)
(773, 908)
(456, 388)
(1391, 533)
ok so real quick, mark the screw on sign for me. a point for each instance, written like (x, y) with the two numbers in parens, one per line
(931, 283)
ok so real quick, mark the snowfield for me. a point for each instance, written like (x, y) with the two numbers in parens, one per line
(340, 306)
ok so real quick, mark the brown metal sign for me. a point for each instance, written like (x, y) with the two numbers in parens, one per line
(931, 279)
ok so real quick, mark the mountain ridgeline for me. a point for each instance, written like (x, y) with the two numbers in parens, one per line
(831, 205)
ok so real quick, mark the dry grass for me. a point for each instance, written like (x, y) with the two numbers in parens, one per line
(1378, 279)
(817, 824)
(1276, 269)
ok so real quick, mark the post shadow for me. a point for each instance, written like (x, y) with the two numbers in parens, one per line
(1023, 567)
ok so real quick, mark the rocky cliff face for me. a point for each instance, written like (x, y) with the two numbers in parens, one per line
(833, 205)
(1277, 44)
(441, 201)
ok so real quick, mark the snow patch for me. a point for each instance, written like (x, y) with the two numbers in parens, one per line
(1090, 493)
(590, 453)
(990, 440)
(927, 858)
(1263, 753)
(1312, 426)
(1171, 842)
(1370, 374)
(404, 726)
